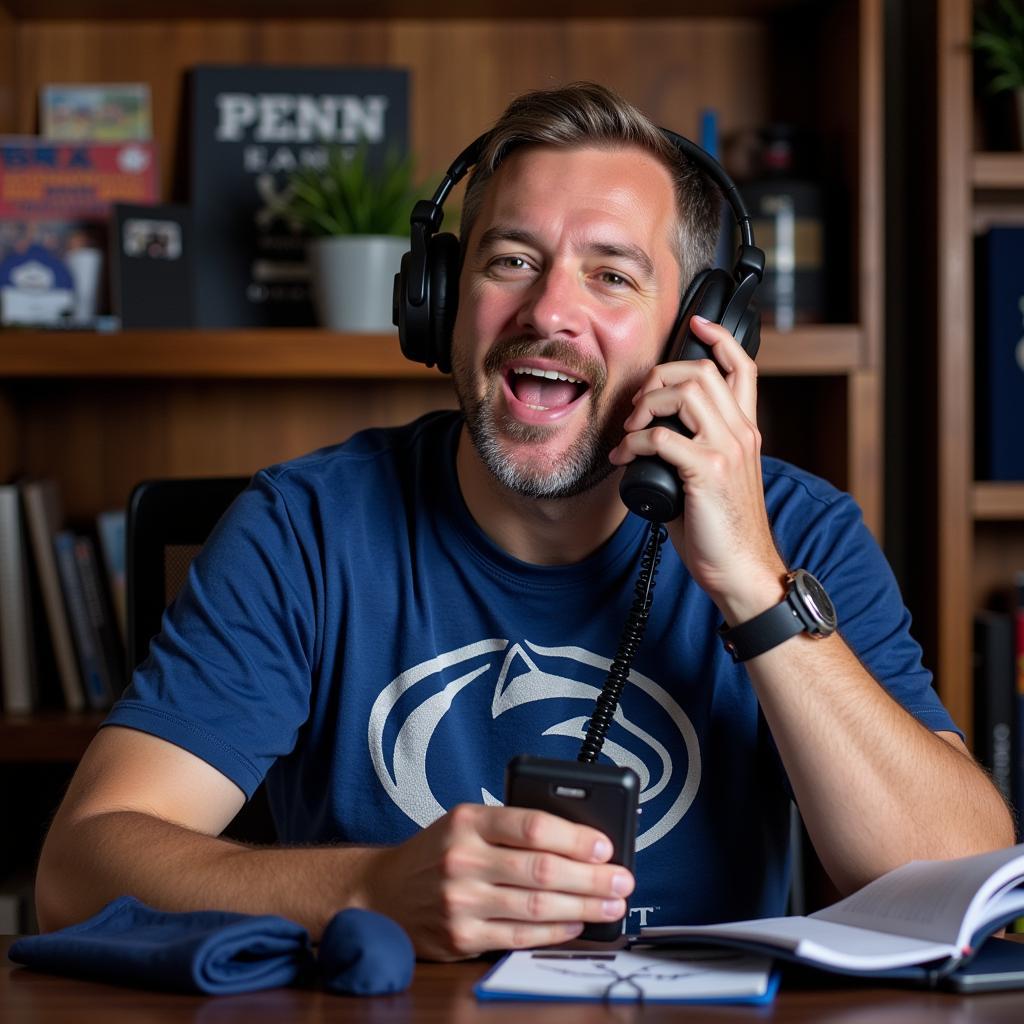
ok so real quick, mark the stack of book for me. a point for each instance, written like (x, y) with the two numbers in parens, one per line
(62, 613)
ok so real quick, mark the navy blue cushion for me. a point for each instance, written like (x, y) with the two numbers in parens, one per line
(364, 953)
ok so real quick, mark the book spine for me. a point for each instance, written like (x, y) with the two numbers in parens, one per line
(17, 654)
(1001, 377)
(111, 529)
(1018, 674)
(100, 615)
(995, 699)
(97, 686)
(42, 518)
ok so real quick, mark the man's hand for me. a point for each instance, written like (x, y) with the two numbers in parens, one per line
(723, 535)
(483, 878)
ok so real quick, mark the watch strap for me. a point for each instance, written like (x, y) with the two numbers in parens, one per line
(762, 632)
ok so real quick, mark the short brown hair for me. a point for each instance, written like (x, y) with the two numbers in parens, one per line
(587, 114)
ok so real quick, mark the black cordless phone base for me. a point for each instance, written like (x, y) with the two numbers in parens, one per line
(602, 796)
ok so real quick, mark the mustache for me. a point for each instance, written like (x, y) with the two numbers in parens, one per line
(521, 347)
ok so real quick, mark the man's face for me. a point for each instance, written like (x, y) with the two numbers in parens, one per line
(568, 291)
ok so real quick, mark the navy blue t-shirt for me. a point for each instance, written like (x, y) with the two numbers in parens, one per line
(350, 633)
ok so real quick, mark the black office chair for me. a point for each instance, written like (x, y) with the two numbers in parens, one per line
(168, 523)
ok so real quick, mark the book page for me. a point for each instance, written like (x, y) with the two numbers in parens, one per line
(943, 901)
(922, 912)
(821, 942)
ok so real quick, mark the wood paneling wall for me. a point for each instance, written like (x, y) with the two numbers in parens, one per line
(99, 438)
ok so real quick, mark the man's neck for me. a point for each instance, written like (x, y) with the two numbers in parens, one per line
(556, 531)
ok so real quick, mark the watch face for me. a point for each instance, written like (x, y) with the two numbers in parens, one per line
(815, 601)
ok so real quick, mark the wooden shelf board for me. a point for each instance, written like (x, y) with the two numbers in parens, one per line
(999, 501)
(829, 349)
(79, 10)
(998, 171)
(46, 735)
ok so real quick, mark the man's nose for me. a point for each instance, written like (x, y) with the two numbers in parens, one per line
(554, 303)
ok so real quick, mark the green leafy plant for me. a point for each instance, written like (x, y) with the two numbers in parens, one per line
(349, 197)
(999, 35)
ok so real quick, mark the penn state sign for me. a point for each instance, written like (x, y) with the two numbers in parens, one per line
(252, 127)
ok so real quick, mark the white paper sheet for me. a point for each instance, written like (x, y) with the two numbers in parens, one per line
(626, 975)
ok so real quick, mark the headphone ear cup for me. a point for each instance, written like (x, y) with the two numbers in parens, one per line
(748, 333)
(712, 296)
(707, 296)
(444, 264)
(691, 292)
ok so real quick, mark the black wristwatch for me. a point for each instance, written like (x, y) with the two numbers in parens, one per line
(806, 608)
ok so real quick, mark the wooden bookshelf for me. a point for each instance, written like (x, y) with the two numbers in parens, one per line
(999, 502)
(278, 354)
(998, 171)
(101, 411)
(979, 538)
(110, 10)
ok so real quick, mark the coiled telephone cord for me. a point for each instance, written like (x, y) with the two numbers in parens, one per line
(629, 643)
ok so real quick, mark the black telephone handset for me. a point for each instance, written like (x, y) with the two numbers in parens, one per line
(650, 487)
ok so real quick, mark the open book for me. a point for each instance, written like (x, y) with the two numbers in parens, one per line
(923, 920)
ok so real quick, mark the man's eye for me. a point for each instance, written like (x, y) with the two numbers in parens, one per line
(616, 280)
(510, 263)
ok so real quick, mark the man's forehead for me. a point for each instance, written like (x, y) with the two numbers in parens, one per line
(619, 164)
(625, 183)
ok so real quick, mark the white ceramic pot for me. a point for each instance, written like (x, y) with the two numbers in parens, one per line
(352, 278)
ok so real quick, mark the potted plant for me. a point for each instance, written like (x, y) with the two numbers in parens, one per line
(356, 216)
(999, 36)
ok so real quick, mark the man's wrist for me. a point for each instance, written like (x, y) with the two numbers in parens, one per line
(758, 593)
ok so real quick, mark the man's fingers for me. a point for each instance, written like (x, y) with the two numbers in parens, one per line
(522, 935)
(539, 906)
(548, 872)
(739, 369)
(529, 829)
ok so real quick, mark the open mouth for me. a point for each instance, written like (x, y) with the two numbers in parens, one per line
(544, 390)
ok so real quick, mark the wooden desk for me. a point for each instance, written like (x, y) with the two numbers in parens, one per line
(442, 994)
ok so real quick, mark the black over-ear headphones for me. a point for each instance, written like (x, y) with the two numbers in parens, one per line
(426, 294)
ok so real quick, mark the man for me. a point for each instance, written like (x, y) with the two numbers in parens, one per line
(382, 625)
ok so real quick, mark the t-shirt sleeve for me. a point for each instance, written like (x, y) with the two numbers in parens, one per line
(834, 545)
(229, 676)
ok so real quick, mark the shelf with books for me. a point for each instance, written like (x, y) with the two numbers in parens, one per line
(825, 349)
(47, 736)
(978, 544)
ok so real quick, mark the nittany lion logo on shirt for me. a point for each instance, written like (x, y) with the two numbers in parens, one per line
(651, 733)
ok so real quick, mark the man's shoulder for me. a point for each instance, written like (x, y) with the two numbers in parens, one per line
(386, 448)
(802, 505)
(787, 483)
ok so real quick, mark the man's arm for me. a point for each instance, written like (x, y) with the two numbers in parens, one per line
(143, 816)
(874, 786)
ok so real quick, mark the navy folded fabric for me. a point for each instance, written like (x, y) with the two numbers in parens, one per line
(209, 951)
(363, 953)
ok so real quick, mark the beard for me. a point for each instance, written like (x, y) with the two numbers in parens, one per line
(575, 471)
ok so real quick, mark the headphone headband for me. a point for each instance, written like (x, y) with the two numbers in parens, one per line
(426, 288)
(470, 156)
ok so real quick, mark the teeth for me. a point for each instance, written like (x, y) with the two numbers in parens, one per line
(530, 371)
